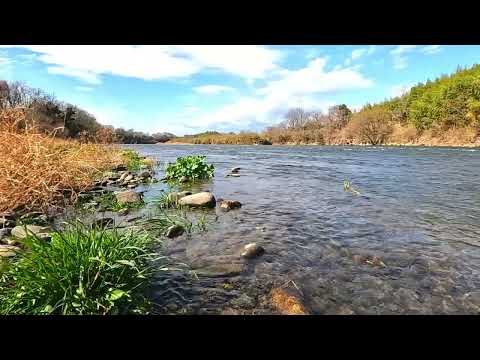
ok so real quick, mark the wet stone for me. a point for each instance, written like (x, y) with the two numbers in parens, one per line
(174, 231)
(252, 250)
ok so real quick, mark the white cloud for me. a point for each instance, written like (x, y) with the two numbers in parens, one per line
(399, 90)
(212, 89)
(431, 49)
(400, 61)
(315, 79)
(83, 88)
(296, 88)
(148, 62)
(358, 53)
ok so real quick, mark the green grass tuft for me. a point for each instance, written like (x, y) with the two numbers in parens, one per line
(81, 271)
(191, 167)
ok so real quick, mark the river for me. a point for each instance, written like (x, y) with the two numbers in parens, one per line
(418, 211)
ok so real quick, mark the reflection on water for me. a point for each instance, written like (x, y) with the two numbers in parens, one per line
(418, 212)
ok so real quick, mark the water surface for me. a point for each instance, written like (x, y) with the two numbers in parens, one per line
(418, 211)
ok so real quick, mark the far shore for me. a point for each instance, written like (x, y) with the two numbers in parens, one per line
(339, 145)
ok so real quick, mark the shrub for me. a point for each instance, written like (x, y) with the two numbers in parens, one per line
(38, 170)
(191, 167)
(81, 271)
(371, 126)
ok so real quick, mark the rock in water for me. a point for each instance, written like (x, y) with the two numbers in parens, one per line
(227, 205)
(145, 175)
(129, 196)
(252, 250)
(183, 179)
(174, 231)
(235, 170)
(40, 231)
(8, 250)
(200, 199)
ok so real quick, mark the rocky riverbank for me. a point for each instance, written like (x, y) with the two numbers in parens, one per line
(114, 200)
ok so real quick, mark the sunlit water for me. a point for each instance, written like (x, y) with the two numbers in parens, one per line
(418, 211)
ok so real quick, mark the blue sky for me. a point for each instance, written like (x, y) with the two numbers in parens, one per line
(192, 88)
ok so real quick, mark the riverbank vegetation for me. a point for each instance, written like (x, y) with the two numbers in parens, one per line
(67, 121)
(445, 111)
(39, 169)
(82, 270)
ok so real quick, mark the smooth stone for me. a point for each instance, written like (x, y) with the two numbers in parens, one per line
(252, 250)
(8, 250)
(184, 193)
(174, 231)
(129, 196)
(123, 176)
(221, 270)
(183, 179)
(235, 170)
(40, 231)
(232, 175)
(145, 175)
(199, 199)
(228, 205)
(128, 178)
(132, 186)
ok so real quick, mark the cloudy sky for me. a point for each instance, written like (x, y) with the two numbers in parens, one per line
(188, 89)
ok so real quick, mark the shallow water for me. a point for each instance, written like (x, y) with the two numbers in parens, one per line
(418, 211)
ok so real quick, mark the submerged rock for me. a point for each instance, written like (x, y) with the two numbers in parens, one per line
(174, 231)
(129, 196)
(8, 250)
(227, 205)
(235, 170)
(200, 199)
(252, 250)
(21, 232)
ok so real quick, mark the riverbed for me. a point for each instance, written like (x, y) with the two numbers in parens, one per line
(407, 243)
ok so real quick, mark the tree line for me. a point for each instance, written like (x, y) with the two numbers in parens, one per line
(65, 120)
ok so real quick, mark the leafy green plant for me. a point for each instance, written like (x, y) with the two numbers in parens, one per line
(81, 271)
(134, 161)
(190, 167)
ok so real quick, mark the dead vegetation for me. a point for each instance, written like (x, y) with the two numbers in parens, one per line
(37, 170)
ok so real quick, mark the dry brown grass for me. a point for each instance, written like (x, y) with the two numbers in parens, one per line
(287, 303)
(38, 170)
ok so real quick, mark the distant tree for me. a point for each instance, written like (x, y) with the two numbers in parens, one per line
(296, 118)
(371, 126)
(339, 115)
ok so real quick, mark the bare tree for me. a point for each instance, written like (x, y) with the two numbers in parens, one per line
(296, 118)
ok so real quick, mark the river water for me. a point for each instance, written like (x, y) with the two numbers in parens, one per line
(418, 211)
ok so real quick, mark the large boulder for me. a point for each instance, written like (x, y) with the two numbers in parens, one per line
(199, 199)
(22, 231)
(129, 196)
